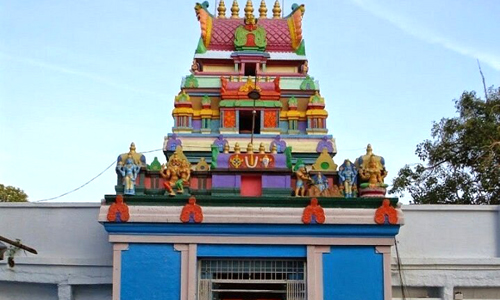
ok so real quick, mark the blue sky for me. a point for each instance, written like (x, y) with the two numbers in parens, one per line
(81, 80)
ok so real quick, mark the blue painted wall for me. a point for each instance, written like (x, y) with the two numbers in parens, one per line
(151, 272)
(251, 251)
(353, 273)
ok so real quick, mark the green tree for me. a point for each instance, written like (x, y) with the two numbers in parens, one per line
(462, 160)
(12, 194)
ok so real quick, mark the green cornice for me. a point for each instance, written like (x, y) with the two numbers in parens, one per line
(262, 201)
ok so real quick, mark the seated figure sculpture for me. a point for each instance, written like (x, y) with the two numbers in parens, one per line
(176, 174)
(371, 169)
(321, 188)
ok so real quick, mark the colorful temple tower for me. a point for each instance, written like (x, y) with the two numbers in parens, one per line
(249, 203)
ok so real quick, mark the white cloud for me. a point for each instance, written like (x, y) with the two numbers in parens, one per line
(65, 70)
(427, 35)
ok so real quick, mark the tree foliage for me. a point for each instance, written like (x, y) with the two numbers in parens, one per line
(12, 194)
(462, 160)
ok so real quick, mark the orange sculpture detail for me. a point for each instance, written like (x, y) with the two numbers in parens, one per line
(118, 211)
(386, 210)
(191, 209)
(311, 210)
(229, 119)
(270, 119)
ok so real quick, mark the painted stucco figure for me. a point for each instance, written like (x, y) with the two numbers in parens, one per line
(373, 173)
(176, 174)
(371, 169)
(129, 171)
(302, 179)
(348, 177)
(321, 188)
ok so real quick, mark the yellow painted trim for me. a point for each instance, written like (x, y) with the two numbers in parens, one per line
(206, 112)
(291, 27)
(182, 110)
(317, 112)
(208, 37)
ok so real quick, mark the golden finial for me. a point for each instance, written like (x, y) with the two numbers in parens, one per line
(132, 148)
(249, 10)
(237, 149)
(222, 10)
(262, 10)
(250, 148)
(274, 149)
(276, 10)
(226, 148)
(235, 10)
(262, 149)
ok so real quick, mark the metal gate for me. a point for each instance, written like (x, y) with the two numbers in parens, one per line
(284, 278)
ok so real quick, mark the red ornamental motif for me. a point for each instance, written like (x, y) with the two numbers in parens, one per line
(191, 212)
(270, 119)
(386, 210)
(118, 211)
(229, 119)
(315, 210)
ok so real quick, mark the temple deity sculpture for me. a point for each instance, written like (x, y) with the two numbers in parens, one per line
(129, 171)
(176, 174)
(320, 181)
(302, 179)
(348, 177)
(371, 169)
(128, 167)
(373, 173)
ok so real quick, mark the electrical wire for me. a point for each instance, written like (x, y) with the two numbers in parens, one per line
(404, 291)
(86, 183)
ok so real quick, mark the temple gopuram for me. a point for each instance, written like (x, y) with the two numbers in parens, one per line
(248, 202)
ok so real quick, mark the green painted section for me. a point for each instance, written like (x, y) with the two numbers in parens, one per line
(277, 191)
(215, 153)
(286, 83)
(230, 198)
(249, 103)
(155, 165)
(240, 39)
(288, 154)
(302, 49)
(191, 82)
(201, 47)
(308, 84)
